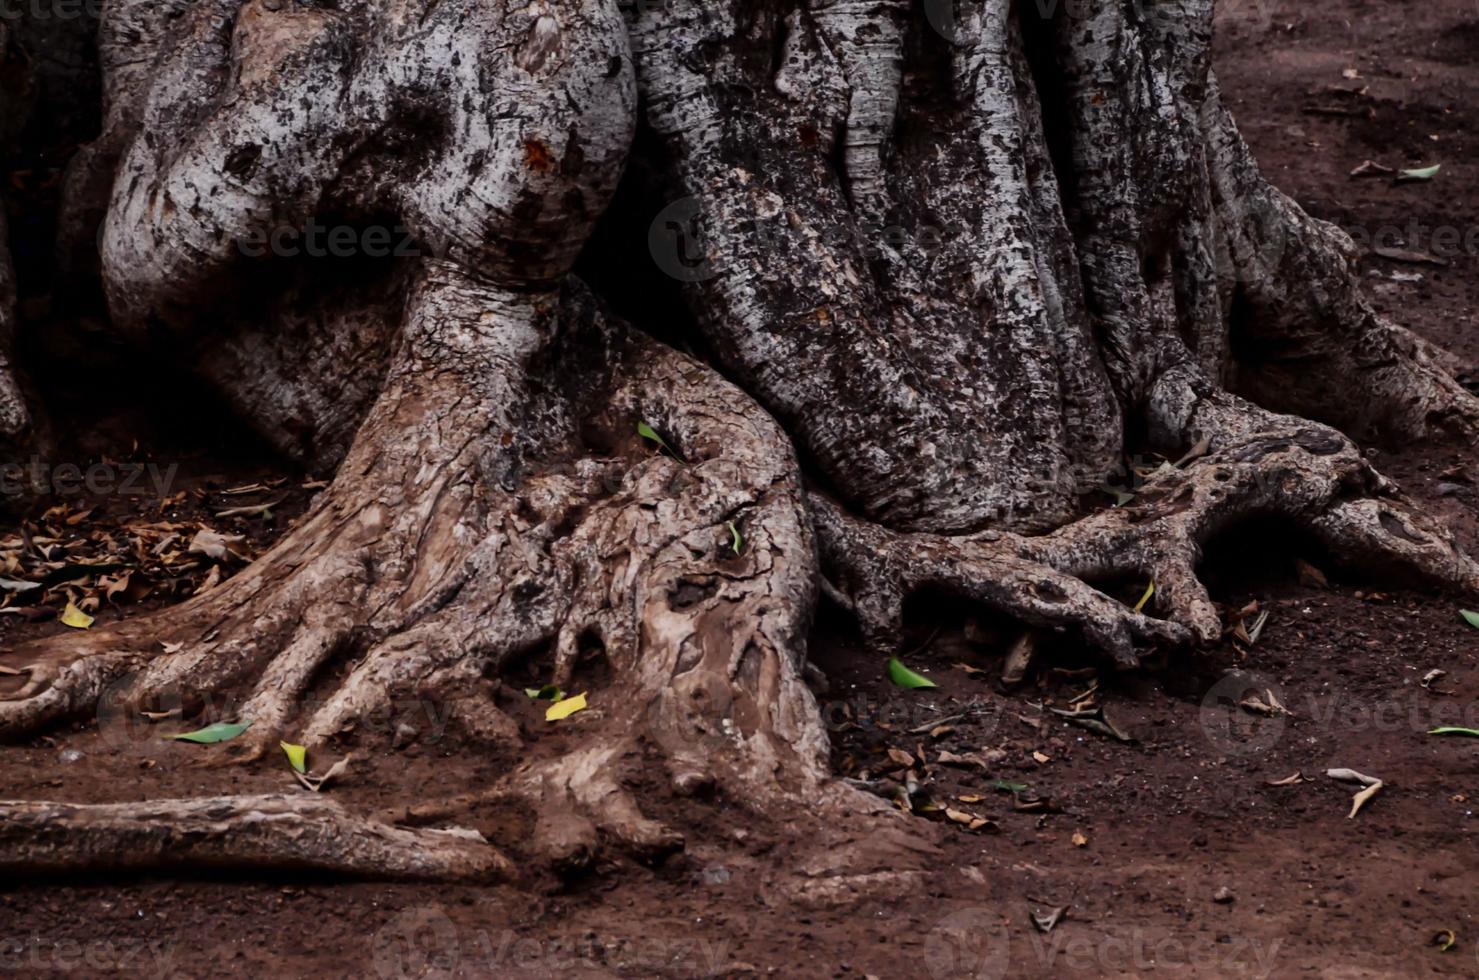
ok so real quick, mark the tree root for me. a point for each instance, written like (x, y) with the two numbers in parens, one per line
(497, 502)
(1256, 463)
(692, 571)
(285, 833)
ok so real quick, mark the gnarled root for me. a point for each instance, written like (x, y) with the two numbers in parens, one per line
(692, 571)
(1255, 463)
(292, 833)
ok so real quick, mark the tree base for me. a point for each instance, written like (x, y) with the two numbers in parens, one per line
(530, 479)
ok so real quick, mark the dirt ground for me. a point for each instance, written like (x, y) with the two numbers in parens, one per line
(1172, 853)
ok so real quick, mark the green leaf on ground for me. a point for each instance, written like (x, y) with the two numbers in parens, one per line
(221, 731)
(906, 678)
(1472, 618)
(1470, 732)
(735, 541)
(547, 693)
(297, 755)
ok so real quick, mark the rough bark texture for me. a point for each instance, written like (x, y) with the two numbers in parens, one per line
(233, 832)
(963, 265)
(15, 418)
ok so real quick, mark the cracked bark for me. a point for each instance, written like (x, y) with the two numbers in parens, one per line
(956, 272)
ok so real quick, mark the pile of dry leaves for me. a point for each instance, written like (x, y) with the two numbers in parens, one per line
(71, 562)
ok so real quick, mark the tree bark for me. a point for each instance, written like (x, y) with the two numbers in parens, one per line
(954, 271)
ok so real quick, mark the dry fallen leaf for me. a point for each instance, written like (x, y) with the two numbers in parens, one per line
(1079, 840)
(1269, 705)
(212, 580)
(215, 545)
(318, 783)
(982, 760)
(1359, 800)
(1293, 780)
(1372, 784)
(75, 618)
(970, 821)
(1310, 576)
(900, 757)
(1041, 758)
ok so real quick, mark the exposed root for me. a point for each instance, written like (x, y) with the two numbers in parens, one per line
(693, 577)
(880, 569)
(1256, 464)
(1311, 343)
(497, 503)
(581, 804)
(285, 833)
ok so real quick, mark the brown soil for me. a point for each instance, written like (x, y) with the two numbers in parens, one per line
(1166, 821)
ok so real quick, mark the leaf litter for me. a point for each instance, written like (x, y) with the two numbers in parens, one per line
(74, 560)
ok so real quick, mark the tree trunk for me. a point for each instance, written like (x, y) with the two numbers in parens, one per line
(956, 262)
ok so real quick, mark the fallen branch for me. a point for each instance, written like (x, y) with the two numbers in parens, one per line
(271, 832)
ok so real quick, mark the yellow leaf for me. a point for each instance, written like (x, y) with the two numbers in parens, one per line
(1149, 591)
(75, 618)
(565, 708)
(297, 755)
